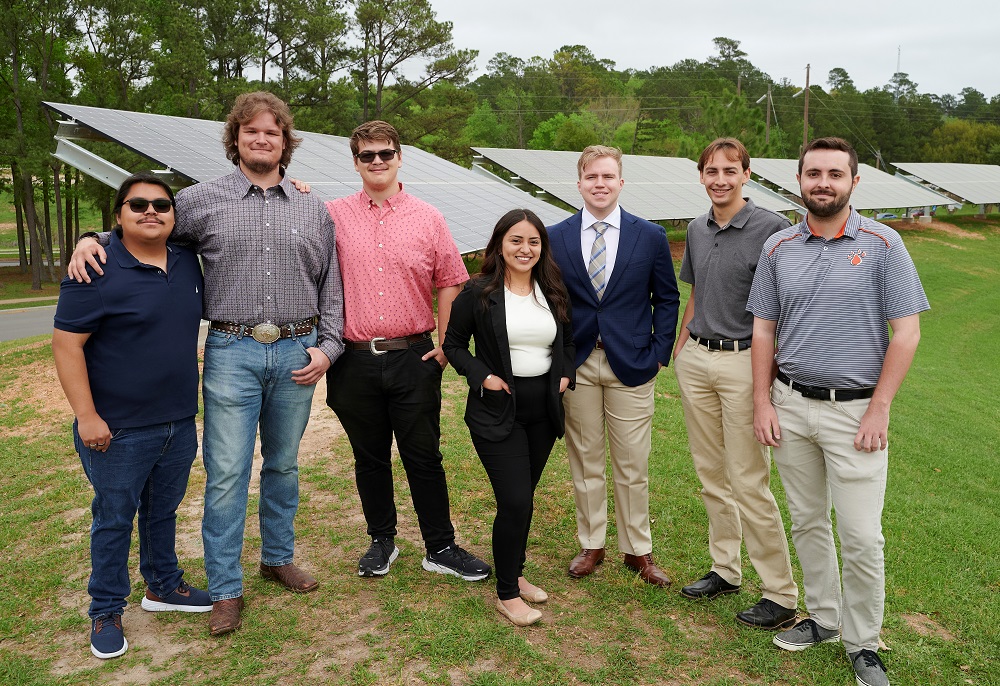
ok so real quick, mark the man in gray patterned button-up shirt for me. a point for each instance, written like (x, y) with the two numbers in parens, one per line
(271, 273)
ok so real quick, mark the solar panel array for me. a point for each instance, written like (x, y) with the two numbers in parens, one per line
(470, 203)
(877, 190)
(978, 184)
(656, 188)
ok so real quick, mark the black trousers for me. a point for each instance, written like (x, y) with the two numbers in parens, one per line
(376, 397)
(514, 466)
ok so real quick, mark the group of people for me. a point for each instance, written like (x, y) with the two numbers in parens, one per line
(784, 345)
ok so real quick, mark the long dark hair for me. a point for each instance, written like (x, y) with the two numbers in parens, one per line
(545, 272)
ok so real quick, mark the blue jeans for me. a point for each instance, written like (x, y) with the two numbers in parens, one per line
(145, 469)
(246, 384)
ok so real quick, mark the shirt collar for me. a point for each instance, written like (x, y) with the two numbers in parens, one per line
(394, 200)
(739, 219)
(125, 259)
(614, 219)
(246, 186)
(849, 229)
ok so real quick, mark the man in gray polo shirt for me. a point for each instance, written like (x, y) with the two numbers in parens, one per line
(830, 288)
(712, 363)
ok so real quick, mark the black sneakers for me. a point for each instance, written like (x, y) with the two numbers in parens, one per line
(381, 553)
(457, 562)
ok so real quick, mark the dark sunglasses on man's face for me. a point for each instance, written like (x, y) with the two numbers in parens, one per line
(161, 205)
(368, 156)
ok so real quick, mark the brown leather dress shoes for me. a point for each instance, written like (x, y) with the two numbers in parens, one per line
(583, 564)
(647, 569)
(225, 617)
(291, 577)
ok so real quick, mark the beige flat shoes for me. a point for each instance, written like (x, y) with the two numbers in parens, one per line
(526, 618)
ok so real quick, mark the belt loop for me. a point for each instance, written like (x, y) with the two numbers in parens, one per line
(241, 332)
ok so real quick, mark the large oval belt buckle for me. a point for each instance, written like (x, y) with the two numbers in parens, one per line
(266, 333)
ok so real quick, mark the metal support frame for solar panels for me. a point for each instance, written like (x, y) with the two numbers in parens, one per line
(95, 166)
(798, 209)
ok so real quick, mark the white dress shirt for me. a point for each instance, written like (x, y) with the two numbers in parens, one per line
(588, 234)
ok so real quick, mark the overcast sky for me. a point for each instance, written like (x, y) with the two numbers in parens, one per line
(946, 46)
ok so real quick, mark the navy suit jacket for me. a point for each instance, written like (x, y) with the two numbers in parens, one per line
(637, 318)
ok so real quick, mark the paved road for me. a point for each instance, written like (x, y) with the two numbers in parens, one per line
(34, 321)
(30, 321)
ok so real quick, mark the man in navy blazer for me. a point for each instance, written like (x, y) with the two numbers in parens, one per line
(620, 277)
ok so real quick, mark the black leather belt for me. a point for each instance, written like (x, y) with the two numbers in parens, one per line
(380, 346)
(820, 393)
(722, 343)
(267, 332)
(599, 345)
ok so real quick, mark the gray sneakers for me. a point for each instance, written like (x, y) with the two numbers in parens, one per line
(868, 668)
(805, 634)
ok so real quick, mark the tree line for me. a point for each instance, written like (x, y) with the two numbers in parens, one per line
(341, 62)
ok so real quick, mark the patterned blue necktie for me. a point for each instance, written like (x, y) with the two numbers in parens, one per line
(597, 267)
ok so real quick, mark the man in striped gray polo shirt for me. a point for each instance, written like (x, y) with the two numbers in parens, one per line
(828, 290)
(712, 363)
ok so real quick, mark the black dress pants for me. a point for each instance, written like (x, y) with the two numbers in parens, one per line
(514, 466)
(376, 397)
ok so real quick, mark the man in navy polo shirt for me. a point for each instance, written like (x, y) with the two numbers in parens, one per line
(126, 350)
(829, 289)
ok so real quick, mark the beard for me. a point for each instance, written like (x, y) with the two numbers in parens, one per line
(258, 166)
(826, 209)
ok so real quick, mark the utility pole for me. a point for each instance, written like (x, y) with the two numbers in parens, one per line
(767, 125)
(805, 112)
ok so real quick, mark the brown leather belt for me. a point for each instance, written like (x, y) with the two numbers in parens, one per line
(380, 346)
(267, 332)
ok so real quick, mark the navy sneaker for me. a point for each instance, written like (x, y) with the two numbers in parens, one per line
(457, 562)
(107, 639)
(381, 553)
(182, 599)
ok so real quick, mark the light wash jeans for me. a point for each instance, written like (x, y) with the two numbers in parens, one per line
(246, 384)
(145, 469)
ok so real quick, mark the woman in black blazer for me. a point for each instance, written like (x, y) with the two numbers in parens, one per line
(518, 312)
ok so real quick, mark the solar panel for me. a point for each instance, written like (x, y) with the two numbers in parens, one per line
(656, 188)
(470, 202)
(978, 184)
(877, 190)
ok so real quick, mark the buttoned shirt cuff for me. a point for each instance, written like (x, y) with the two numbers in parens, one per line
(331, 349)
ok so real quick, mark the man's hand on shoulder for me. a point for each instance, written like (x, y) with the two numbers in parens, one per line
(300, 185)
(314, 371)
(88, 251)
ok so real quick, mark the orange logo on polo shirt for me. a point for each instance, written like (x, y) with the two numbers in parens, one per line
(856, 257)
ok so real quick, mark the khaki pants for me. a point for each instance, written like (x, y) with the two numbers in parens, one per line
(819, 467)
(602, 409)
(734, 469)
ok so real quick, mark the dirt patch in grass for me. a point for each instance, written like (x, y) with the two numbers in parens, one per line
(925, 626)
(944, 227)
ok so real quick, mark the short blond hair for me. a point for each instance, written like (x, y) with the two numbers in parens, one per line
(595, 152)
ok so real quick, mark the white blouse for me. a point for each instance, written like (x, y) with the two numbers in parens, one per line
(531, 330)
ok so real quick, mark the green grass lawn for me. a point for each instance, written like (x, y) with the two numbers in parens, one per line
(942, 503)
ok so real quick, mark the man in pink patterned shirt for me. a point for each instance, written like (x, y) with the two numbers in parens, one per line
(394, 251)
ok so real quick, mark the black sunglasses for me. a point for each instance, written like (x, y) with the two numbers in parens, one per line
(368, 156)
(161, 205)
